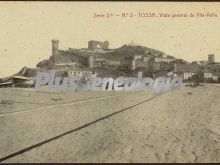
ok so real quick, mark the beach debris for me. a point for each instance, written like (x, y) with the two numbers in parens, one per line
(6, 102)
(57, 99)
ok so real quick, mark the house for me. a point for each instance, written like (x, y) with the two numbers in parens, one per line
(158, 59)
(113, 63)
(77, 72)
(207, 75)
(137, 57)
(216, 77)
(187, 75)
(185, 70)
(100, 62)
(146, 59)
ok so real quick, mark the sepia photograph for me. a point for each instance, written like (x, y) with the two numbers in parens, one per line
(109, 82)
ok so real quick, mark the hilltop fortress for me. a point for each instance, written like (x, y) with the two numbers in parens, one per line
(124, 61)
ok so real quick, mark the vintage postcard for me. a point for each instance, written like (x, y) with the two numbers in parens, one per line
(109, 82)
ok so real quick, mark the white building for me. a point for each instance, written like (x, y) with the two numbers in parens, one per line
(157, 59)
(187, 75)
(77, 72)
(137, 57)
(207, 75)
(215, 77)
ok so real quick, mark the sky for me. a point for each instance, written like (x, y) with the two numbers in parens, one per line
(27, 28)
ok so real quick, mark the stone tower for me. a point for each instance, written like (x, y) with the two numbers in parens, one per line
(90, 62)
(55, 47)
(211, 58)
(133, 67)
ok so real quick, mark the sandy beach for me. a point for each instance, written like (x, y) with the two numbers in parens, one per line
(177, 126)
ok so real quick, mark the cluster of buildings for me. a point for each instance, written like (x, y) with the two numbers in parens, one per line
(124, 61)
(206, 71)
(132, 58)
(98, 56)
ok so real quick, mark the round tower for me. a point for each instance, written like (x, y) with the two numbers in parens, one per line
(90, 61)
(55, 47)
(133, 67)
(105, 45)
(175, 67)
(211, 58)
